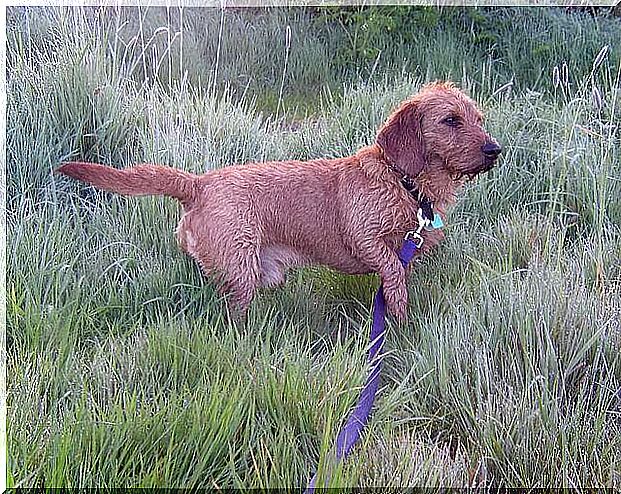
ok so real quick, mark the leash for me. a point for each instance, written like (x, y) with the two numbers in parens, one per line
(350, 433)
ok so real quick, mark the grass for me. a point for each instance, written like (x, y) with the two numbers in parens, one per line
(124, 369)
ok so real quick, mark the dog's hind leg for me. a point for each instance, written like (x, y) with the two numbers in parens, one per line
(241, 276)
(227, 251)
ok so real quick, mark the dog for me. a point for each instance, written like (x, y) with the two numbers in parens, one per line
(246, 225)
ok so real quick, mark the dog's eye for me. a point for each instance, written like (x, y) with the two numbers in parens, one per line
(451, 121)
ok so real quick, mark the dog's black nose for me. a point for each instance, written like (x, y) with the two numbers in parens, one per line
(491, 150)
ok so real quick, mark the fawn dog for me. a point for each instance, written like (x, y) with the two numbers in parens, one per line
(247, 224)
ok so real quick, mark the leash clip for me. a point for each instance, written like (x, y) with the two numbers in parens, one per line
(414, 235)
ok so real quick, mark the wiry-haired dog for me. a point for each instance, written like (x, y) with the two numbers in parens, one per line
(247, 224)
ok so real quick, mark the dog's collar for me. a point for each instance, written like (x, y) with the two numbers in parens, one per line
(424, 203)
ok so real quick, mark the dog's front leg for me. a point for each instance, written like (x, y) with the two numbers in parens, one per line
(386, 263)
(395, 289)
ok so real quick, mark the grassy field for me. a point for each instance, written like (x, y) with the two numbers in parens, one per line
(123, 367)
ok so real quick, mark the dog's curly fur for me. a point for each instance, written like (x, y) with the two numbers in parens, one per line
(247, 224)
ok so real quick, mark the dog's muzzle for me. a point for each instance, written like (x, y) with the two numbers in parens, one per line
(491, 151)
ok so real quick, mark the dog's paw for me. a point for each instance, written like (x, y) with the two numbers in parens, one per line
(397, 303)
(400, 313)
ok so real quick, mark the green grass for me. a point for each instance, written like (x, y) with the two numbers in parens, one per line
(124, 369)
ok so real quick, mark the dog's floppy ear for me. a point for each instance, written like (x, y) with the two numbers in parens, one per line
(401, 139)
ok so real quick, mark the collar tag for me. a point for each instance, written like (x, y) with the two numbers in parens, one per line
(436, 224)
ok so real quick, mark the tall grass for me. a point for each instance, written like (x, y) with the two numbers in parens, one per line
(124, 369)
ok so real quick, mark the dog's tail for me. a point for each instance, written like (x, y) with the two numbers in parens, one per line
(138, 180)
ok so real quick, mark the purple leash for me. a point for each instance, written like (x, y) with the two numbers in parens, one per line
(350, 433)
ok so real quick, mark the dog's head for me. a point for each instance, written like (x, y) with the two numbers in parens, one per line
(441, 127)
